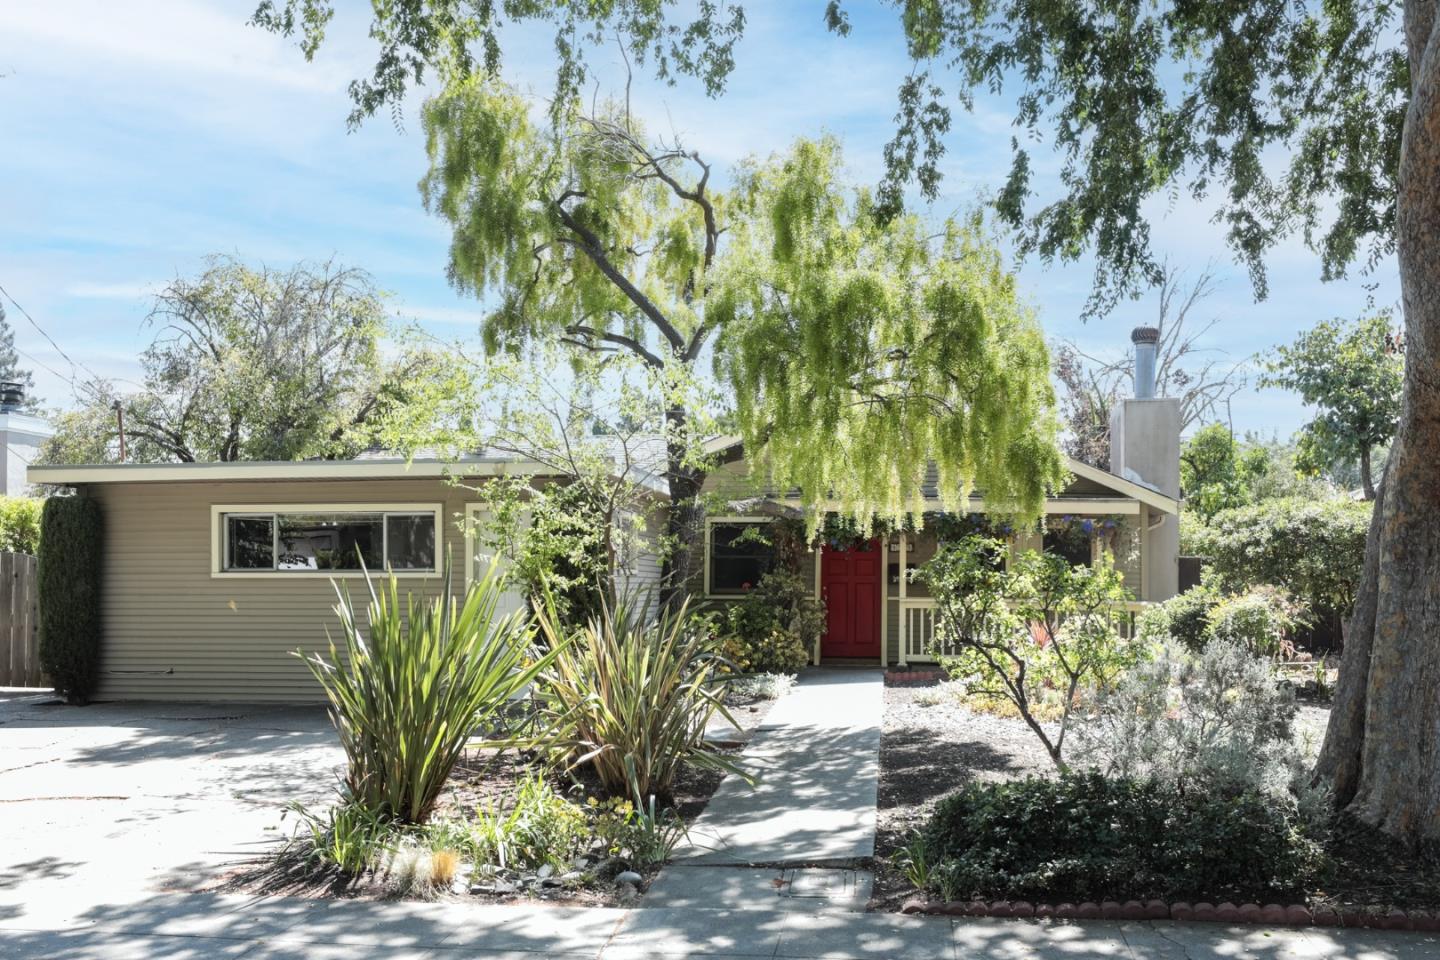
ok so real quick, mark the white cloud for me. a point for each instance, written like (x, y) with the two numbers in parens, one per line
(191, 41)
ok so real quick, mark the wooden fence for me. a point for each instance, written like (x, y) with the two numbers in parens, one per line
(19, 626)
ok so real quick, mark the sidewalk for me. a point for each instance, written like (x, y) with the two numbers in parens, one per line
(195, 926)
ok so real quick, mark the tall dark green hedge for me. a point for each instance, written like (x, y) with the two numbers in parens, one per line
(71, 529)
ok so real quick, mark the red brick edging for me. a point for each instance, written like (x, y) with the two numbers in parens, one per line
(907, 676)
(1271, 914)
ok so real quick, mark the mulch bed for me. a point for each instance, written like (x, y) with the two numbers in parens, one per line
(485, 778)
(929, 751)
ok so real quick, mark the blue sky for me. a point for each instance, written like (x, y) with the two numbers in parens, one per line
(136, 139)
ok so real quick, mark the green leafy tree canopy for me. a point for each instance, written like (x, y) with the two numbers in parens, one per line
(1351, 372)
(248, 364)
(858, 349)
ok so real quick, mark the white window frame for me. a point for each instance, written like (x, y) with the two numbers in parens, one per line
(709, 528)
(471, 518)
(219, 534)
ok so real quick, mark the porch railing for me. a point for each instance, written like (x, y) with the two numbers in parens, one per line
(917, 626)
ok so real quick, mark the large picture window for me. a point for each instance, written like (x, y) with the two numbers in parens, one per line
(302, 540)
(739, 556)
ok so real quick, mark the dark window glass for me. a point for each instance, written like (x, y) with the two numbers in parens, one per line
(1070, 542)
(250, 543)
(410, 541)
(315, 541)
(738, 560)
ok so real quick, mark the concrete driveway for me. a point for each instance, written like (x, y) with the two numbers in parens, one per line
(119, 801)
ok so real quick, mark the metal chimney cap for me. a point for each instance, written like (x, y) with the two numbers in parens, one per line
(1144, 334)
(12, 396)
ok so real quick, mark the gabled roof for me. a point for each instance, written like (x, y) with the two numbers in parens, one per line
(1138, 491)
(1129, 489)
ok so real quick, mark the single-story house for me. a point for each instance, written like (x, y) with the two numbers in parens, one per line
(215, 572)
(878, 613)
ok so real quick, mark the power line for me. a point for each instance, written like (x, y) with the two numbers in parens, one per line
(51, 340)
(46, 367)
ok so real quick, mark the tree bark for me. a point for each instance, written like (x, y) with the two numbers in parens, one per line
(1367, 481)
(1382, 749)
(1339, 761)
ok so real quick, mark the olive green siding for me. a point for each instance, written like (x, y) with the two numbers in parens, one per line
(730, 486)
(172, 631)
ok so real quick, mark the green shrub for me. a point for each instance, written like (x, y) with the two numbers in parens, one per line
(1261, 620)
(1264, 620)
(773, 628)
(631, 697)
(20, 524)
(1217, 721)
(408, 693)
(69, 595)
(1313, 549)
(1088, 837)
(1183, 618)
(539, 827)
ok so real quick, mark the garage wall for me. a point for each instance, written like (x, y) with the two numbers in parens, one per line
(175, 632)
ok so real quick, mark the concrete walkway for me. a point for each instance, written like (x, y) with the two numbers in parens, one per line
(796, 838)
(818, 758)
(195, 926)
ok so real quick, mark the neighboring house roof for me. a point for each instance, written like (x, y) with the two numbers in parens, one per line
(731, 448)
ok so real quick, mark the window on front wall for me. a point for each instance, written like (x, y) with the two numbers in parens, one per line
(740, 555)
(304, 541)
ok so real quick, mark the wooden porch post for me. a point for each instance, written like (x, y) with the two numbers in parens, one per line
(904, 620)
(819, 553)
(884, 599)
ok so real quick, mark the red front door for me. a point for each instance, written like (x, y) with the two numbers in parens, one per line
(850, 584)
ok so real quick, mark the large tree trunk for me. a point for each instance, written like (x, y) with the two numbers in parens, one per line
(1367, 481)
(1382, 749)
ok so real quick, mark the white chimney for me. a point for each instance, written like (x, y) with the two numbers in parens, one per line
(21, 436)
(1145, 449)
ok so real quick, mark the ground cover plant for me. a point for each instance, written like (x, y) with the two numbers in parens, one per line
(1086, 836)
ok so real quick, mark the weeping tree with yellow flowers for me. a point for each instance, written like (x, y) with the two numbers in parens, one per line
(856, 349)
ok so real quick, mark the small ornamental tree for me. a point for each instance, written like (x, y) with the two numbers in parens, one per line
(1014, 634)
(71, 528)
(1351, 374)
